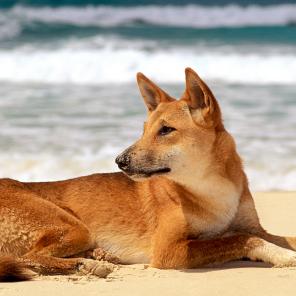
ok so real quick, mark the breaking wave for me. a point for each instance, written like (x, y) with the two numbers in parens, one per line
(98, 65)
(179, 16)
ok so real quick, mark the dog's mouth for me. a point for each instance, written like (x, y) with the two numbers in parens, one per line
(147, 173)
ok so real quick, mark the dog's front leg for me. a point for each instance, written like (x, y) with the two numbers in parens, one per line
(194, 253)
(288, 242)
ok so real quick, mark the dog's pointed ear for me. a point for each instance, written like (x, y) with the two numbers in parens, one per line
(200, 98)
(152, 94)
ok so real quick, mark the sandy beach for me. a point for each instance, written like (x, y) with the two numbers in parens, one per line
(277, 214)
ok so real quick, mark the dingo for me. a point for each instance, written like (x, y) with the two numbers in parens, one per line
(182, 202)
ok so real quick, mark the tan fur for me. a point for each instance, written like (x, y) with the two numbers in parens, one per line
(182, 202)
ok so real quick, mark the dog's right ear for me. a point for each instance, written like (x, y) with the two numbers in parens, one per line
(152, 94)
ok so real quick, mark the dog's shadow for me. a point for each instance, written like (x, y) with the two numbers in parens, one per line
(230, 265)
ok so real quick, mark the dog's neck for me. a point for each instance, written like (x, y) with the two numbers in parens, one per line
(211, 188)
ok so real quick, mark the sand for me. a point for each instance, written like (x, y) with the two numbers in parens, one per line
(276, 210)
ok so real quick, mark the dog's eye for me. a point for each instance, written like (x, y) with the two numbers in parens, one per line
(165, 130)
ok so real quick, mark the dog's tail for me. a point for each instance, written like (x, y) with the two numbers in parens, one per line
(12, 271)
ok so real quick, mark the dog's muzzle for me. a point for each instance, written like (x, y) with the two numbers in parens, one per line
(124, 162)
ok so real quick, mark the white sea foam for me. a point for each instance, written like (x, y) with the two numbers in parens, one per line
(97, 66)
(53, 167)
(179, 16)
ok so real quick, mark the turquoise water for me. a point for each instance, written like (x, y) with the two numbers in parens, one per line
(68, 98)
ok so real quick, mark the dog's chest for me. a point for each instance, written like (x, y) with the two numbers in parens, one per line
(215, 217)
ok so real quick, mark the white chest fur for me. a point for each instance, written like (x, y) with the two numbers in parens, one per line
(219, 200)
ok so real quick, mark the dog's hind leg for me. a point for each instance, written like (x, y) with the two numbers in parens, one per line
(99, 254)
(42, 237)
(48, 255)
(48, 265)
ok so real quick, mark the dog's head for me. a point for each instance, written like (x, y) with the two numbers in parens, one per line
(179, 135)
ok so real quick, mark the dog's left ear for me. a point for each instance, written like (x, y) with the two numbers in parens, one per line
(201, 100)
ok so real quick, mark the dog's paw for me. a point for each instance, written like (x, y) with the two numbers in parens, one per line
(100, 254)
(97, 268)
(286, 259)
(271, 253)
(286, 263)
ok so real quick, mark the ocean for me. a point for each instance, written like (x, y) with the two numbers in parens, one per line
(69, 102)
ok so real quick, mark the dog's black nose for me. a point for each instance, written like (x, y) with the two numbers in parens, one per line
(123, 161)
